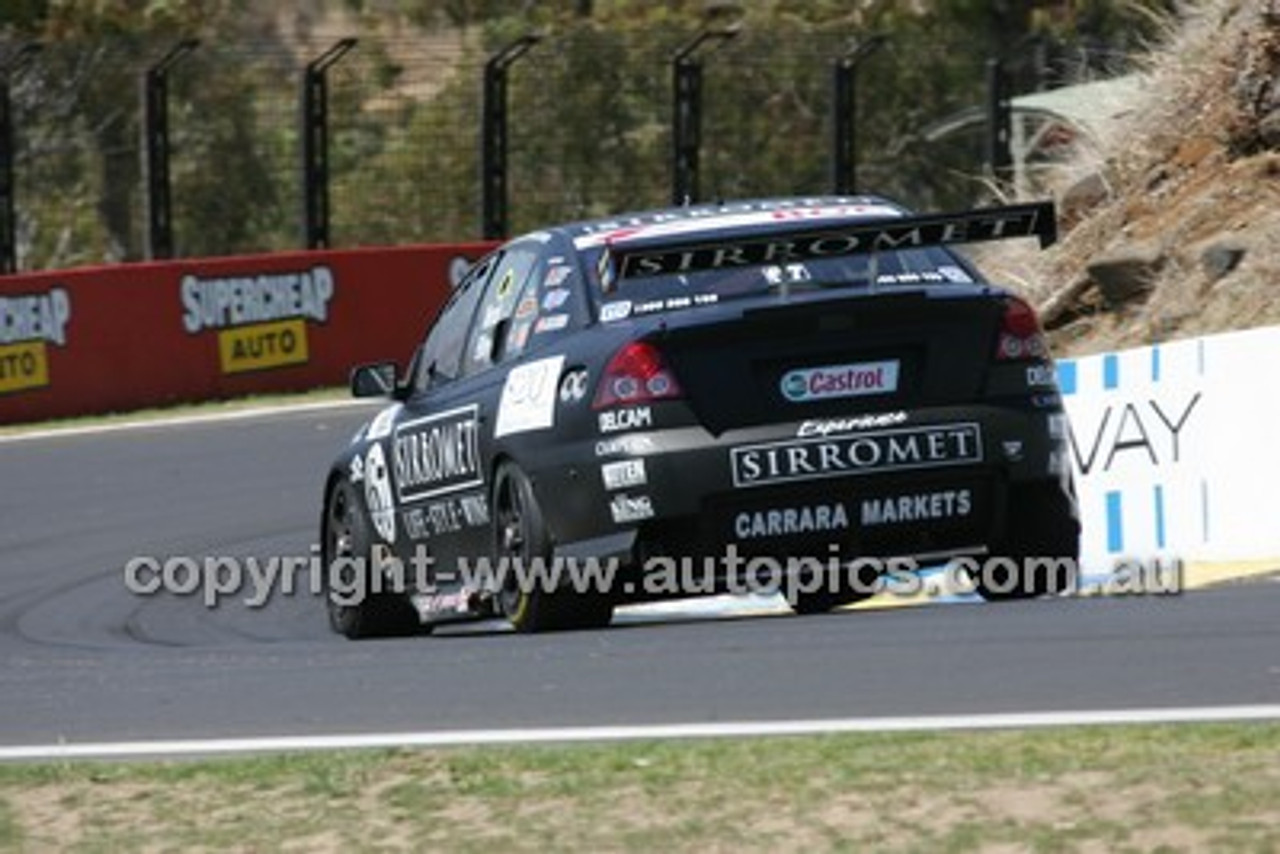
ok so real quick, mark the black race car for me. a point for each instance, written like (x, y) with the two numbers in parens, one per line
(691, 400)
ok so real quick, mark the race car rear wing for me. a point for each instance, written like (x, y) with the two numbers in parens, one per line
(792, 241)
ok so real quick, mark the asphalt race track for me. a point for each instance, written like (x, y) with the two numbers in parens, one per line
(86, 660)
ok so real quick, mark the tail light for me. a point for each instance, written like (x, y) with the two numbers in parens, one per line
(637, 373)
(1020, 334)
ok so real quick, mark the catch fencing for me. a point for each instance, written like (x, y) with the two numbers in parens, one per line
(146, 150)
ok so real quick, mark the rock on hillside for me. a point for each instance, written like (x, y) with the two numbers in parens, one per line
(1172, 215)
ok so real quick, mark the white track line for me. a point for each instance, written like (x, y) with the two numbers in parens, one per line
(247, 413)
(459, 738)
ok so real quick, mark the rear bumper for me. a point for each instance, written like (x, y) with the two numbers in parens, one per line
(934, 481)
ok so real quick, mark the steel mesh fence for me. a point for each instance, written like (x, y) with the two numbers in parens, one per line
(590, 133)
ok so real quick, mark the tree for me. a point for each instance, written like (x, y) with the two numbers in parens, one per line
(590, 108)
(86, 87)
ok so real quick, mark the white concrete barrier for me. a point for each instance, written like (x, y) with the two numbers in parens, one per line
(1176, 449)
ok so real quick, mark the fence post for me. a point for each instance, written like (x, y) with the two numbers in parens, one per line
(155, 164)
(686, 118)
(493, 137)
(844, 160)
(8, 154)
(686, 129)
(315, 145)
(999, 122)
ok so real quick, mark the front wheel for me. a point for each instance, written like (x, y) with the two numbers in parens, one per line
(531, 595)
(356, 609)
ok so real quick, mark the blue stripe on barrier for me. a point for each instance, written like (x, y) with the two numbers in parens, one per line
(1067, 377)
(1204, 510)
(1155, 364)
(1110, 371)
(1159, 501)
(1115, 532)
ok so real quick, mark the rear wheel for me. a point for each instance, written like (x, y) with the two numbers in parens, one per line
(834, 593)
(1041, 552)
(355, 611)
(521, 540)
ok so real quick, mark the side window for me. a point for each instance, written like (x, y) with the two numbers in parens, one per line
(502, 306)
(551, 301)
(441, 357)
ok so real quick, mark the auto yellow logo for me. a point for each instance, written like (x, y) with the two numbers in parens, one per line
(261, 320)
(29, 323)
(262, 345)
(23, 366)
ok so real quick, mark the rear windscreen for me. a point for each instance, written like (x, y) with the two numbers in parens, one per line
(933, 265)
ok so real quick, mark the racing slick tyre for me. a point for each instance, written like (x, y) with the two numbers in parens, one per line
(521, 540)
(834, 593)
(376, 614)
(1041, 552)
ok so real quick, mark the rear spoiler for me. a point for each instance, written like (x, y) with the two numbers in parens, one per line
(792, 241)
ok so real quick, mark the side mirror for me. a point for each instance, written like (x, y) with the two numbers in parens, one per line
(377, 380)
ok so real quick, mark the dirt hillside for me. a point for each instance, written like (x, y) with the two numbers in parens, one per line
(1171, 213)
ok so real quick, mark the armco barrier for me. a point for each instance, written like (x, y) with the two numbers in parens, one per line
(105, 339)
(1175, 449)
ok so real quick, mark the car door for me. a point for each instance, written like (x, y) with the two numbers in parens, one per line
(442, 448)
(487, 359)
(436, 468)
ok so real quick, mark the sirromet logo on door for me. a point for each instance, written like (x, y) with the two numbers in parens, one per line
(830, 381)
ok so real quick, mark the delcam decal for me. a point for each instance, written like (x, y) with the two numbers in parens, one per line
(29, 323)
(261, 319)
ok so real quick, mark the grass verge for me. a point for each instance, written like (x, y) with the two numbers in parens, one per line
(1130, 788)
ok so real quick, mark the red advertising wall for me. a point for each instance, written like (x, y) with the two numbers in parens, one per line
(104, 339)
